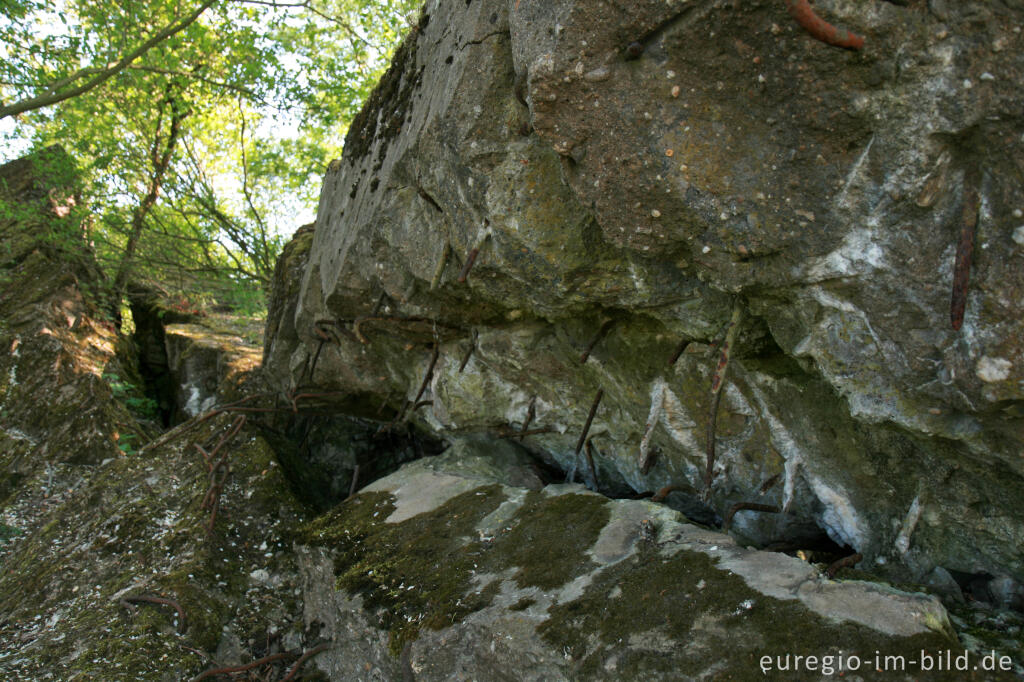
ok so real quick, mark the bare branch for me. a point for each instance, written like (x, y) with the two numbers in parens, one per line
(323, 15)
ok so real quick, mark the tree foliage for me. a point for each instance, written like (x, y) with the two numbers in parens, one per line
(202, 127)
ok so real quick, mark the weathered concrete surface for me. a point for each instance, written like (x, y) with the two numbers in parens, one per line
(87, 516)
(735, 161)
(54, 402)
(58, 413)
(438, 572)
(208, 366)
(137, 526)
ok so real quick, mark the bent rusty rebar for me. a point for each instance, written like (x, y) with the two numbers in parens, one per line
(748, 506)
(820, 29)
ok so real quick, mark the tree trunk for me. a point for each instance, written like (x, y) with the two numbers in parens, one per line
(161, 160)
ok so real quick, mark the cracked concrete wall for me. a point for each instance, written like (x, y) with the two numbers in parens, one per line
(653, 167)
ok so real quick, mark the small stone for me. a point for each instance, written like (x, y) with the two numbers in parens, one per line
(260, 576)
(942, 582)
(675, 91)
(1018, 235)
(987, 76)
(655, 213)
(706, 249)
(1006, 591)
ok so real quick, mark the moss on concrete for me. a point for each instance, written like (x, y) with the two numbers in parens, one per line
(549, 539)
(418, 573)
(138, 527)
(428, 571)
(644, 614)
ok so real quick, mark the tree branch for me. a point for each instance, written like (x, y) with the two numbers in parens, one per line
(219, 84)
(245, 172)
(161, 162)
(51, 97)
(323, 15)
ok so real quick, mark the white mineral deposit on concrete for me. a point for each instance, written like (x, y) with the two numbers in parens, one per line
(992, 370)
(839, 518)
(680, 424)
(909, 524)
(852, 176)
(653, 416)
(858, 254)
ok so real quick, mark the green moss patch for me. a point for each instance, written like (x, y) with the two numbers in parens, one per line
(137, 528)
(422, 572)
(685, 617)
(417, 573)
(523, 604)
(549, 538)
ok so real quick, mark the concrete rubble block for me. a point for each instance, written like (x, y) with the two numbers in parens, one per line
(624, 177)
(439, 572)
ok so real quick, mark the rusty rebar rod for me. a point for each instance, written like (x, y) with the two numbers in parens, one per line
(680, 349)
(163, 601)
(589, 450)
(601, 333)
(470, 260)
(218, 470)
(469, 352)
(355, 482)
(717, 382)
(709, 468)
(302, 659)
(446, 253)
(426, 377)
(846, 562)
(379, 304)
(821, 29)
(531, 412)
(676, 487)
(747, 506)
(316, 358)
(242, 668)
(590, 419)
(964, 250)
